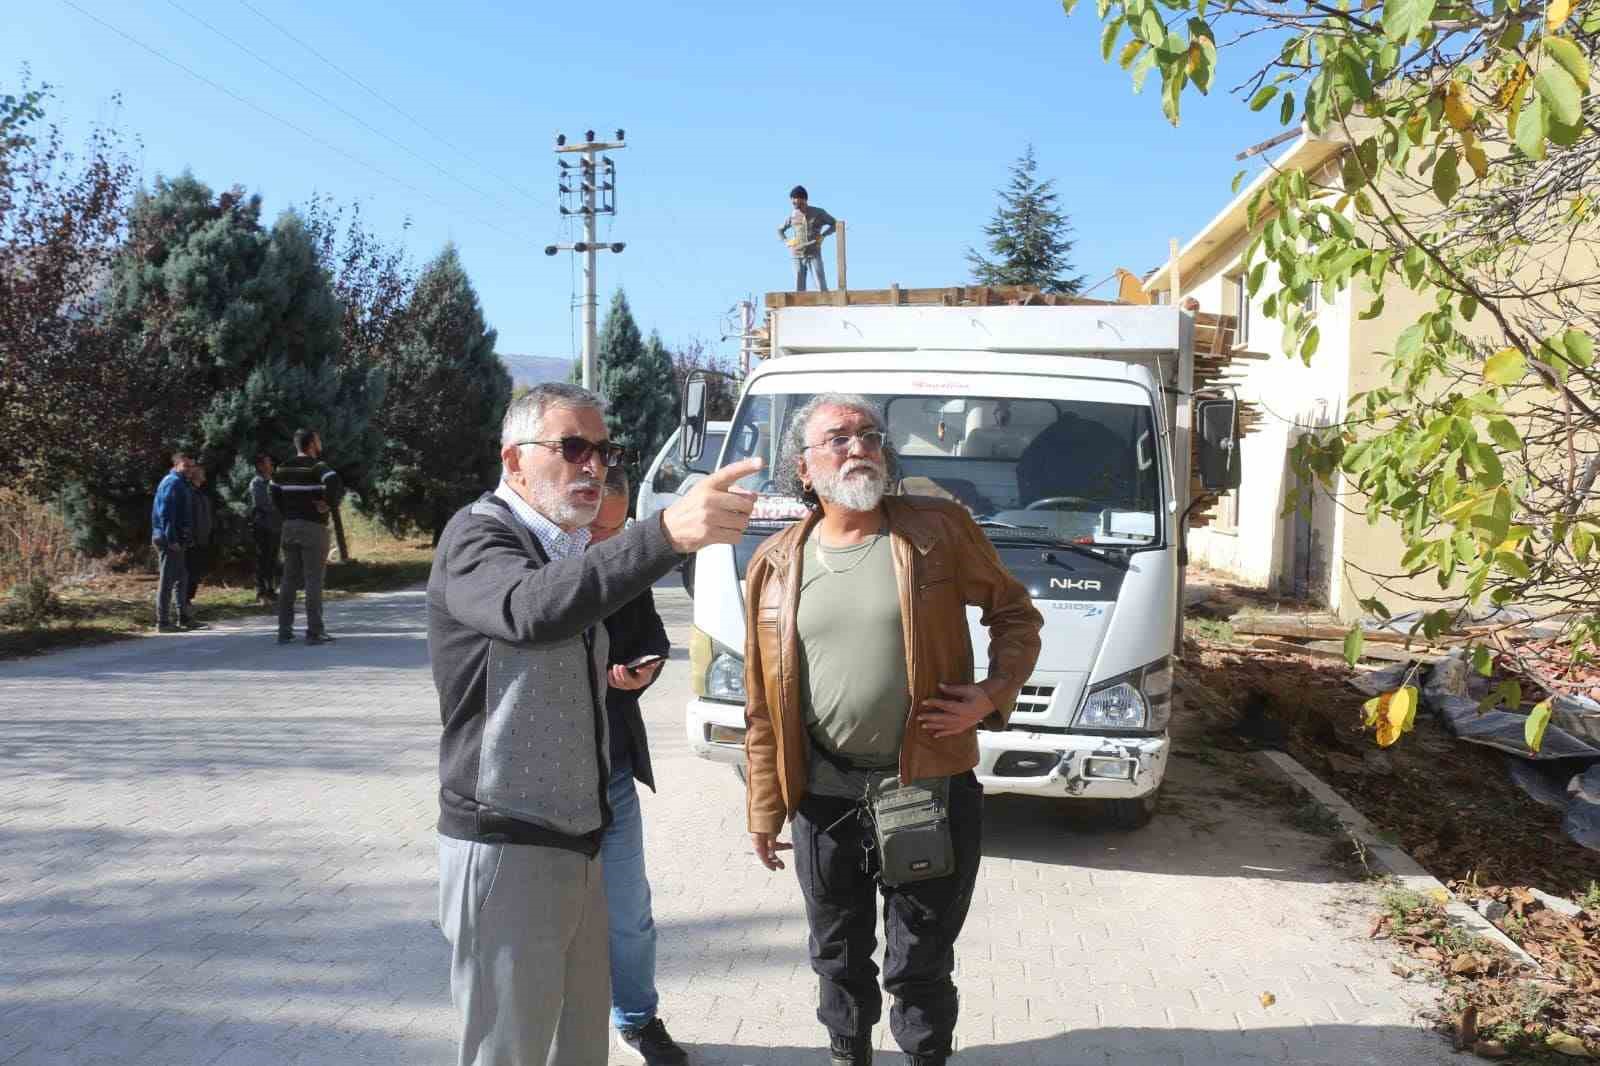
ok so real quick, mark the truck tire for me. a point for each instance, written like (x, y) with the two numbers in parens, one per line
(1134, 813)
(686, 572)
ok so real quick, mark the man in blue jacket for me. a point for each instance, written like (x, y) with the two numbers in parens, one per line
(171, 530)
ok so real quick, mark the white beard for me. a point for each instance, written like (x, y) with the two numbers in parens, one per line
(860, 490)
(562, 509)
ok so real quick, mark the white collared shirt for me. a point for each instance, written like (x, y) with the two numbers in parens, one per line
(556, 542)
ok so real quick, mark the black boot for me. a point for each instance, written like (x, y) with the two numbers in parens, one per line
(928, 1060)
(850, 1050)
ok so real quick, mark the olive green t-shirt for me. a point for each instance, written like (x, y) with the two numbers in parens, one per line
(853, 683)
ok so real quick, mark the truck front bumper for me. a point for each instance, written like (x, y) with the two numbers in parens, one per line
(1034, 764)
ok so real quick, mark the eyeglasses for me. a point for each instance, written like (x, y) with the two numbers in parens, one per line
(576, 450)
(871, 440)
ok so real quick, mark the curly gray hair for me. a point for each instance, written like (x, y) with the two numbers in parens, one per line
(794, 441)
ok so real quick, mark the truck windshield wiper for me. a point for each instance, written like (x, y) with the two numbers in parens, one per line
(1111, 556)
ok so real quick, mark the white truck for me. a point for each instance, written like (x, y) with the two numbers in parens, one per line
(1065, 430)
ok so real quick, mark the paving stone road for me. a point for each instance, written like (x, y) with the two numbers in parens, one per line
(214, 850)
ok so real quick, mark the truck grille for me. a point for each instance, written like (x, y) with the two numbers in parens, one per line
(1035, 699)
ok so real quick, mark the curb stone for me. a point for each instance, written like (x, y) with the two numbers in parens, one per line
(1391, 858)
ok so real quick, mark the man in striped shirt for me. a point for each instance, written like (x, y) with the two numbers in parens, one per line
(304, 490)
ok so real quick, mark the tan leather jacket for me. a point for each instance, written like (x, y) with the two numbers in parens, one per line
(943, 562)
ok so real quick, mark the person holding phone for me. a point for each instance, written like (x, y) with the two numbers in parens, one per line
(639, 646)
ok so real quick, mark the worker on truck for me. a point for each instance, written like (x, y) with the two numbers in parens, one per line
(862, 717)
(810, 225)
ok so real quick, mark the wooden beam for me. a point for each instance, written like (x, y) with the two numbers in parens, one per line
(1294, 627)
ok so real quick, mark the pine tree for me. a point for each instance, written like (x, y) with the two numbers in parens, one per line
(1027, 236)
(229, 334)
(446, 394)
(636, 380)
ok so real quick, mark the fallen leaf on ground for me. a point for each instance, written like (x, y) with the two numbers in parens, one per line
(1490, 1049)
(1268, 999)
(1467, 1028)
(1568, 1045)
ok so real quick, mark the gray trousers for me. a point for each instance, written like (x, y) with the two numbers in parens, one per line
(529, 974)
(305, 555)
(174, 582)
(814, 262)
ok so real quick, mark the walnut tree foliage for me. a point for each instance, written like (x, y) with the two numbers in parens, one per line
(1469, 177)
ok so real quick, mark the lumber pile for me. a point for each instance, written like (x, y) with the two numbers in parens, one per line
(1325, 640)
(945, 296)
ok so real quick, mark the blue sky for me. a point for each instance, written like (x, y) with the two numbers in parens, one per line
(900, 118)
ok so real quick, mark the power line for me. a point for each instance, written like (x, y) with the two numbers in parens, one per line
(351, 115)
(499, 227)
(389, 103)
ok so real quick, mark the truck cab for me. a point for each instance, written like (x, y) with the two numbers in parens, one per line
(1059, 429)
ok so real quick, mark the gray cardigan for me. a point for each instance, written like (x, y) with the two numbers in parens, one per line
(519, 662)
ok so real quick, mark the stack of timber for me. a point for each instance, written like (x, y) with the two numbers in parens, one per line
(947, 296)
(1325, 640)
(1219, 368)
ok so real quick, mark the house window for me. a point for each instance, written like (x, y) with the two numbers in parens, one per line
(1227, 513)
(1238, 297)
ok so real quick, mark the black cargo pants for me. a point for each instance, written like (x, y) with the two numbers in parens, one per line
(921, 922)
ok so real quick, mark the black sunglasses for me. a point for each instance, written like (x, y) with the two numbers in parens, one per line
(576, 450)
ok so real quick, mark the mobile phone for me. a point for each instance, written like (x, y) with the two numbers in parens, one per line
(646, 660)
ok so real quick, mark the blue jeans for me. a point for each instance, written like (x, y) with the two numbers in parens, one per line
(813, 263)
(633, 926)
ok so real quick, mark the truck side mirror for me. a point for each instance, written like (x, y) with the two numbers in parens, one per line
(1217, 423)
(694, 418)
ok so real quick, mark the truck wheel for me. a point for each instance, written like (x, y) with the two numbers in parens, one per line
(686, 572)
(1134, 813)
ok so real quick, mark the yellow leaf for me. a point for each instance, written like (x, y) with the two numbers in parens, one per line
(1403, 708)
(1440, 896)
(1477, 160)
(1568, 1045)
(1557, 13)
(1504, 367)
(1387, 733)
(1457, 108)
(1268, 999)
(1373, 708)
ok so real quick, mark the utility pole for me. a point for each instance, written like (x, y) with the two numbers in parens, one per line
(596, 194)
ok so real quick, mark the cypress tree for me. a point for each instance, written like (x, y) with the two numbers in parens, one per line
(1027, 236)
(637, 381)
(447, 393)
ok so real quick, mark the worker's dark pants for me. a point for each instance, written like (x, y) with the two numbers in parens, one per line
(266, 561)
(921, 922)
(173, 586)
(198, 563)
(812, 262)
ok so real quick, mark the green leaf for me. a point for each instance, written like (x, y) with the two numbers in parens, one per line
(1263, 97)
(1533, 729)
(1505, 367)
(1483, 660)
(1446, 178)
(1578, 347)
(1238, 179)
(1354, 641)
(1409, 343)
(1503, 433)
(1582, 544)
(1513, 564)
(1308, 347)
(1142, 69)
(1286, 109)
(1404, 19)
(1571, 59)
(1151, 29)
(1130, 52)
(1560, 94)
(1530, 132)
(1413, 265)
(1068, 5)
(1108, 39)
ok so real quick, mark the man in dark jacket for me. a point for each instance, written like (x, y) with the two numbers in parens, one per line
(520, 663)
(304, 490)
(203, 515)
(639, 647)
(266, 527)
(171, 527)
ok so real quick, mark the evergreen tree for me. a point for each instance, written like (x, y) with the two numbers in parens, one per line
(447, 393)
(636, 380)
(229, 334)
(1027, 236)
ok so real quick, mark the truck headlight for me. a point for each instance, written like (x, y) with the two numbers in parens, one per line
(1138, 700)
(716, 672)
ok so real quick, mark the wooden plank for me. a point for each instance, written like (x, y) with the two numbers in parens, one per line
(1291, 648)
(1294, 627)
(998, 295)
(1387, 653)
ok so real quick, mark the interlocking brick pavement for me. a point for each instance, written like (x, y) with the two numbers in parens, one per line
(216, 850)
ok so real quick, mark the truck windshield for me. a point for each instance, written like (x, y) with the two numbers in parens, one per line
(1083, 472)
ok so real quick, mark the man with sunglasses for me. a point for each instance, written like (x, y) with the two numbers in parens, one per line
(519, 655)
(859, 667)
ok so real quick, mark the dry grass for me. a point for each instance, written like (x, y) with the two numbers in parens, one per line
(98, 602)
